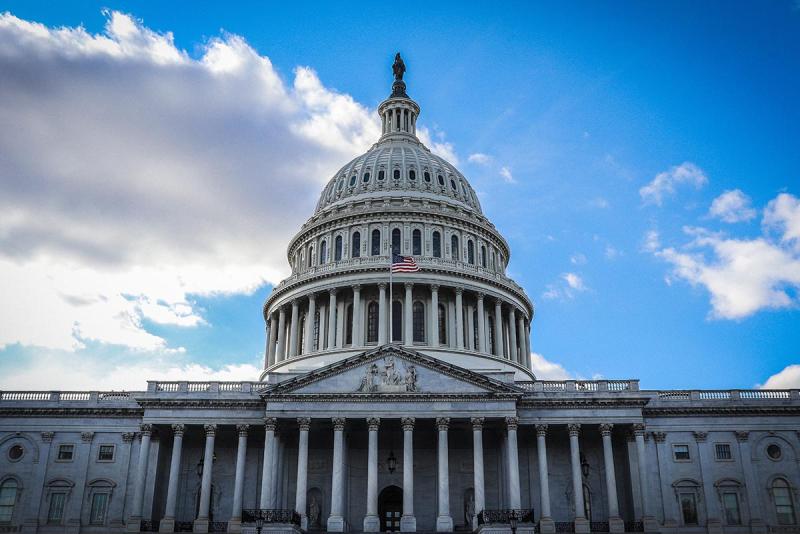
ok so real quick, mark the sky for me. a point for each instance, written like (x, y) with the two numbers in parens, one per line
(641, 158)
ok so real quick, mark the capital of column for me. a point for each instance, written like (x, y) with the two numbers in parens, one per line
(356, 287)
(127, 437)
(333, 290)
(541, 430)
(304, 423)
(409, 285)
(477, 423)
(210, 429)
(338, 423)
(479, 295)
(312, 297)
(296, 303)
(574, 429)
(407, 423)
(373, 423)
(146, 428)
(498, 304)
(459, 290)
(47, 437)
(741, 435)
(512, 422)
(435, 287)
(270, 423)
(242, 430)
(659, 437)
(605, 429)
(700, 437)
(87, 436)
(442, 423)
(383, 285)
(638, 429)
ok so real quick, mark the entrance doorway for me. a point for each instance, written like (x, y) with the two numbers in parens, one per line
(390, 508)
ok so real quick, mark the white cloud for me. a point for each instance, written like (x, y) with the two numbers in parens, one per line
(136, 176)
(544, 369)
(577, 259)
(441, 147)
(783, 214)
(508, 178)
(611, 253)
(786, 378)
(599, 202)
(574, 281)
(732, 207)
(665, 182)
(568, 285)
(743, 276)
(479, 158)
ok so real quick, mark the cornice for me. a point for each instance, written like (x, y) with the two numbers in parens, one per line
(721, 411)
(154, 403)
(583, 403)
(71, 412)
(382, 398)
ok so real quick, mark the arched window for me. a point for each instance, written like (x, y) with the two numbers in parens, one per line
(397, 320)
(381, 175)
(310, 255)
(427, 176)
(8, 500)
(416, 243)
(396, 174)
(348, 326)
(784, 503)
(100, 496)
(471, 252)
(452, 184)
(396, 241)
(337, 249)
(372, 322)
(376, 243)
(436, 240)
(355, 249)
(412, 175)
(365, 178)
(454, 249)
(442, 323)
(323, 252)
(353, 180)
(418, 315)
(315, 341)
(341, 184)
(483, 256)
(440, 178)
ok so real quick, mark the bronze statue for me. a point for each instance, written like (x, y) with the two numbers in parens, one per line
(399, 68)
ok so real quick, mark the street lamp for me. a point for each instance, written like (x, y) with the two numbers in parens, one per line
(391, 462)
(584, 466)
(201, 463)
(259, 523)
(513, 521)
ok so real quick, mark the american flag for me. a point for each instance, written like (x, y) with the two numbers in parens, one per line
(404, 264)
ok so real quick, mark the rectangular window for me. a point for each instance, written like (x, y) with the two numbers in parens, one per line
(681, 453)
(730, 500)
(105, 453)
(723, 451)
(688, 508)
(65, 452)
(8, 498)
(56, 511)
(97, 516)
(784, 508)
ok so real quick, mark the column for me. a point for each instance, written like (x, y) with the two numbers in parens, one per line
(713, 517)
(341, 319)
(753, 502)
(201, 523)
(265, 502)
(528, 344)
(434, 336)
(459, 318)
(358, 341)
(280, 351)
(546, 523)
(304, 424)
(408, 324)
(408, 523)
(512, 336)
(470, 328)
(37, 484)
(524, 353)
(308, 343)
(235, 523)
(615, 523)
(648, 520)
(444, 523)
(167, 524)
(293, 340)
(273, 337)
(336, 519)
(481, 325)
(513, 464)
(332, 319)
(477, 462)
(668, 502)
(382, 325)
(581, 524)
(372, 523)
(498, 328)
(135, 518)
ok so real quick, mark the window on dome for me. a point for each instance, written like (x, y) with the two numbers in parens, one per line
(341, 184)
(397, 320)
(375, 249)
(427, 176)
(372, 322)
(315, 340)
(352, 180)
(355, 251)
(452, 184)
(483, 256)
(412, 174)
(418, 314)
(381, 175)
(337, 249)
(441, 180)
(365, 179)
(416, 243)
(301, 335)
(471, 252)
(310, 255)
(396, 174)
(436, 240)
(396, 241)
(323, 252)
(442, 324)
(455, 252)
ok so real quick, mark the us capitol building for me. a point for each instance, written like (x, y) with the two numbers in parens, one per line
(409, 407)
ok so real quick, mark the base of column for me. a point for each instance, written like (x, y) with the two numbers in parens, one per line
(234, 525)
(757, 526)
(303, 522)
(444, 523)
(166, 525)
(408, 523)
(200, 525)
(372, 523)
(335, 523)
(616, 525)
(651, 524)
(133, 525)
(547, 525)
(30, 526)
(581, 526)
(714, 526)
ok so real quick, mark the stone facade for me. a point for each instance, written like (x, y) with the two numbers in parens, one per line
(399, 404)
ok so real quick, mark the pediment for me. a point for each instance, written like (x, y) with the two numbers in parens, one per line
(391, 370)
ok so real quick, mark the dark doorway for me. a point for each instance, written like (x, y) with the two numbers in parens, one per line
(390, 508)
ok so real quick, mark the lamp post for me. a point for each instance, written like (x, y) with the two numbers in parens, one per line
(512, 519)
(391, 462)
(259, 523)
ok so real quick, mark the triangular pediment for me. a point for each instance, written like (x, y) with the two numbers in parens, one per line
(392, 370)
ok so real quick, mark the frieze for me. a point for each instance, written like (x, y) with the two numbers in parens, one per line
(391, 397)
(72, 412)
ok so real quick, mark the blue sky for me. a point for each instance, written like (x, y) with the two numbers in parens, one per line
(641, 159)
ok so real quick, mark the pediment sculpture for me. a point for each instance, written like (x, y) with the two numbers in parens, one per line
(389, 378)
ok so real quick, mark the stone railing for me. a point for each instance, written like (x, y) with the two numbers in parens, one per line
(67, 396)
(678, 395)
(213, 387)
(579, 386)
